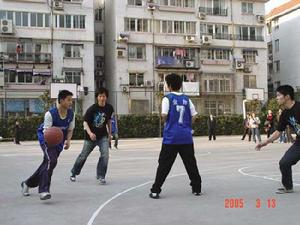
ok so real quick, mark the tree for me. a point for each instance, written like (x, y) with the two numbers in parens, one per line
(46, 99)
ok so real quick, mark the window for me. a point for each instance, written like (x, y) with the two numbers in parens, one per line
(47, 19)
(24, 77)
(24, 19)
(137, 51)
(18, 19)
(277, 45)
(73, 77)
(249, 81)
(135, 2)
(61, 21)
(68, 21)
(277, 63)
(33, 21)
(249, 56)
(82, 22)
(247, 7)
(167, 27)
(270, 48)
(222, 54)
(98, 38)
(137, 25)
(276, 24)
(178, 27)
(218, 31)
(75, 21)
(217, 83)
(250, 33)
(72, 51)
(99, 62)
(136, 79)
(98, 14)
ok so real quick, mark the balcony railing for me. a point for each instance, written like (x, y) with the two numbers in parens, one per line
(29, 57)
(172, 62)
(248, 38)
(213, 11)
(219, 36)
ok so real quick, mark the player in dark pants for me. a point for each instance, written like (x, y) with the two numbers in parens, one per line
(290, 116)
(63, 117)
(178, 111)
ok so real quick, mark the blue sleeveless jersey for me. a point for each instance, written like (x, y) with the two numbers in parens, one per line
(63, 124)
(178, 127)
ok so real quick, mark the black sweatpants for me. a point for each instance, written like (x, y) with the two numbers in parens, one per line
(290, 158)
(42, 176)
(166, 159)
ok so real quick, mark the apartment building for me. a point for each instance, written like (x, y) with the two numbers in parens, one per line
(44, 43)
(217, 46)
(283, 46)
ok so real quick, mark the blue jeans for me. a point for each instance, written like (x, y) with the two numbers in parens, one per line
(255, 132)
(88, 147)
(282, 137)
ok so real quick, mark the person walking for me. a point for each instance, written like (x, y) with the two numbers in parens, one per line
(247, 130)
(97, 129)
(270, 123)
(114, 130)
(17, 132)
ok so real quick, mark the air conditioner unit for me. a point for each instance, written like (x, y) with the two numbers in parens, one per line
(201, 15)
(125, 89)
(247, 69)
(120, 53)
(161, 86)
(206, 39)
(260, 19)
(239, 65)
(151, 5)
(190, 38)
(58, 5)
(123, 37)
(190, 64)
(148, 83)
(6, 26)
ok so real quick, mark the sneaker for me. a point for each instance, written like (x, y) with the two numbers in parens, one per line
(197, 193)
(284, 191)
(154, 195)
(45, 195)
(102, 181)
(72, 178)
(25, 189)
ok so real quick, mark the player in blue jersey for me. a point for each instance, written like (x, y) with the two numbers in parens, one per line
(63, 117)
(178, 113)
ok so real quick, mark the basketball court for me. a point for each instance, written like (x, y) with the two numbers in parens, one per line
(239, 187)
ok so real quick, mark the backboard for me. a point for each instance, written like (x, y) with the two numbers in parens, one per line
(254, 94)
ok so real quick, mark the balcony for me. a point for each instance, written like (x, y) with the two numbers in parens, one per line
(172, 62)
(42, 58)
(213, 11)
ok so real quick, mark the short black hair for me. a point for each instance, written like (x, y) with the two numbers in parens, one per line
(174, 81)
(286, 90)
(102, 90)
(63, 94)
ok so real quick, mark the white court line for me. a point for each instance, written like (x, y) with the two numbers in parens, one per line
(96, 213)
(241, 171)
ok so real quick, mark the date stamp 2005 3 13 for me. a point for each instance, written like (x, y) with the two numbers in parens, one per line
(239, 203)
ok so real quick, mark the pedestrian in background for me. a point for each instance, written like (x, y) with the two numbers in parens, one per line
(247, 129)
(211, 124)
(254, 125)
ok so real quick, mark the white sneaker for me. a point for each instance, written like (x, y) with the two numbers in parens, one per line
(25, 189)
(72, 178)
(45, 195)
(102, 181)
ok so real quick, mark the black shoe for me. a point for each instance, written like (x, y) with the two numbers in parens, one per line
(154, 195)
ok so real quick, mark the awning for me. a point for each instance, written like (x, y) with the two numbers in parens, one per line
(41, 72)
(24, 70)
(70, 69)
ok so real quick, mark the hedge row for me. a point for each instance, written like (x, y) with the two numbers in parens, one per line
(130, 126)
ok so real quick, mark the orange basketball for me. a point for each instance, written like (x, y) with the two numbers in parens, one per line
(53, 136)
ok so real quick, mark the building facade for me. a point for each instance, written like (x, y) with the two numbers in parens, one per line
(217, 47)
(44, 42)
(283, 46)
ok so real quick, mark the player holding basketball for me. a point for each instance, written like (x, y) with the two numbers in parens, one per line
(290, 116)
(60, 116)
(178, 112)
